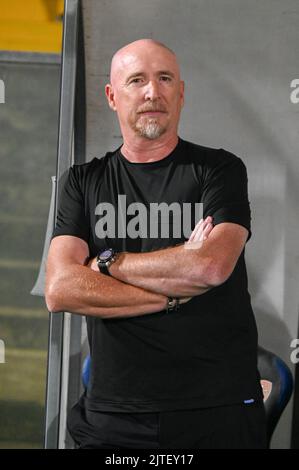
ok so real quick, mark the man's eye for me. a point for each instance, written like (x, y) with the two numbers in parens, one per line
(165, 78)
(135, 80)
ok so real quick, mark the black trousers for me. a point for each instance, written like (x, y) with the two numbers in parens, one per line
(241, 426)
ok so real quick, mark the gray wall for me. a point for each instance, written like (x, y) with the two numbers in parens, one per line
(238, 58)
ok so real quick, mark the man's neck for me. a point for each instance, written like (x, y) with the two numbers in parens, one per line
(146, 151)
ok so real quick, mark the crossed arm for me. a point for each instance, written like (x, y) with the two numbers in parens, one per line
(141, 282)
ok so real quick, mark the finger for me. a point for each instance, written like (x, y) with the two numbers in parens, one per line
(199, 229)
(199, 226)
(206, 232)
(194, 230)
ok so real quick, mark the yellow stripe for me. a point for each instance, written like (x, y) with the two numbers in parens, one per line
(25, 353)
(31, 25)
(38, 10)
(18, 264)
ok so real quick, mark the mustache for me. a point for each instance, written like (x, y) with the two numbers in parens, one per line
(151, 107)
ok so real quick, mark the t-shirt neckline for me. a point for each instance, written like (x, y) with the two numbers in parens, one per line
(157, 163)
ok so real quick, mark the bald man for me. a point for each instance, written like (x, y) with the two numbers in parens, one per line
(149, 245)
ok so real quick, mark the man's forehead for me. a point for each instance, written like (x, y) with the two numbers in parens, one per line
(129, 58)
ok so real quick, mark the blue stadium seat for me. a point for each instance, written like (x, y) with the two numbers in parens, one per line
(277, 383)
(86, 371)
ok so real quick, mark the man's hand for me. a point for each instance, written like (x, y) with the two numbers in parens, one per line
(200, 233)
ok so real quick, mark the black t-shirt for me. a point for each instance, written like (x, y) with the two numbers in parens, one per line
(204, 354)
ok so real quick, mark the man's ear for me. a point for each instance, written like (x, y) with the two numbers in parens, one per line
(110, 96)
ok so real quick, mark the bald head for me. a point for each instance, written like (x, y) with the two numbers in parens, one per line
(134, 49)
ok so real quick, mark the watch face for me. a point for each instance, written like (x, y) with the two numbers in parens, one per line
(105, 255)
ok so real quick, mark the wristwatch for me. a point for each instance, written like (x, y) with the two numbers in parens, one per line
(104, 259)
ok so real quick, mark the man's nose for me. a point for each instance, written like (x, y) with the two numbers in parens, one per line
(152, 90)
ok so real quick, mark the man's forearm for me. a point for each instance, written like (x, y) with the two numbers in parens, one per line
(181, 271)
(80, 290)
(176, 271)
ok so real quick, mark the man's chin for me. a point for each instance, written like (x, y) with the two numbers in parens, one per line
(151, 134)
(150, 130)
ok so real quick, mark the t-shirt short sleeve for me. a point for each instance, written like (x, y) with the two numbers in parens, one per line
(225, 191)
(71, 214)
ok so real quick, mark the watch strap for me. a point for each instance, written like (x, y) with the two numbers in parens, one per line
(104, 269)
